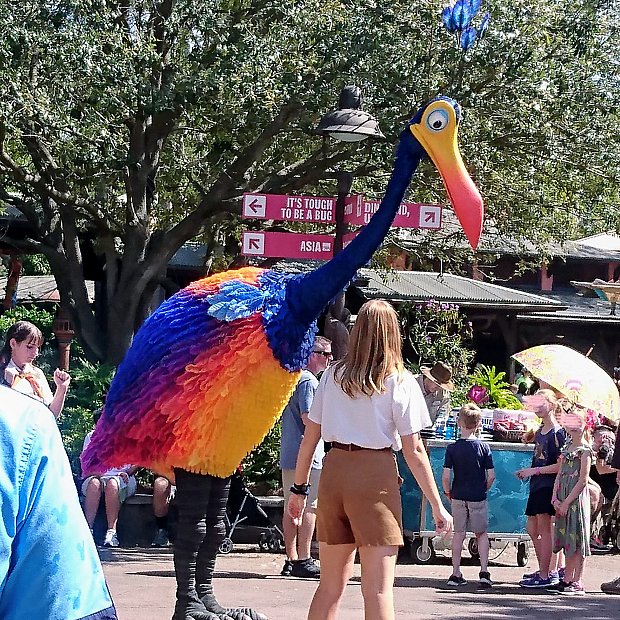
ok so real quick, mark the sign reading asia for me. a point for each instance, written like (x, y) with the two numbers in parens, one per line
(287, 245)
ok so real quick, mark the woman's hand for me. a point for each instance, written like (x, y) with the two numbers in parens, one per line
(62, 378)
(524, 473)
(124, 477)
(443, 520)
(295, 508)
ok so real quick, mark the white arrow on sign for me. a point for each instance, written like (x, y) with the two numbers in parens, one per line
(430, 216)
(254, 206)
(253, 243)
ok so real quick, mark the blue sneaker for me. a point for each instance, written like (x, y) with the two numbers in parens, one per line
(531, 575)
(554, 576)
(535, 582)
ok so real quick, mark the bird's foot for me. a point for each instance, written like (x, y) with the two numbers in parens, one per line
(195, 610)
(245, 613)
(234, 613)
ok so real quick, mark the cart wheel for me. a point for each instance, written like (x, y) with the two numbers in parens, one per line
(226, 546)
(262, 542)
(522, 554)
(472, 547)
(421, 555)
(274, 544)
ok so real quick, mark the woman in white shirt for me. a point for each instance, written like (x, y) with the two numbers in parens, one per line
(366, 405)
(21, 347)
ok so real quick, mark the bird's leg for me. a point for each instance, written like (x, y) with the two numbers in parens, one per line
(192, 499)
(205, 566)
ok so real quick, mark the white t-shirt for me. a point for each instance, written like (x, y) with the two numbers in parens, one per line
(375, 421)
(23, 385)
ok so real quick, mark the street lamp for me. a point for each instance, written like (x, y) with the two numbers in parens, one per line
(349, 123)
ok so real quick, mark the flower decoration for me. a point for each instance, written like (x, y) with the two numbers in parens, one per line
(478, 394)
(457, 19)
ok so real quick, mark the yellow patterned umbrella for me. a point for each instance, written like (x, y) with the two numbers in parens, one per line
(576, 376)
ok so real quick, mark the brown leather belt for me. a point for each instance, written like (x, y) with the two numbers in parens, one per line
(351, 447)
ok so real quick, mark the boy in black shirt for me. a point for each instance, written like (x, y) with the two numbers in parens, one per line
(471, 462)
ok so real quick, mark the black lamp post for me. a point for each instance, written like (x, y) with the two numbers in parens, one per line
(349, 123)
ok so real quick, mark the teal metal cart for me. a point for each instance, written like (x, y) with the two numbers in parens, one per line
(507, 500)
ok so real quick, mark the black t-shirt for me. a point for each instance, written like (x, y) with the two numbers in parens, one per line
(469, 460)
(547, 450)
(607, 482)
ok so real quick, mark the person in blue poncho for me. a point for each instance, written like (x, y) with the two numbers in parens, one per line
(49, 567)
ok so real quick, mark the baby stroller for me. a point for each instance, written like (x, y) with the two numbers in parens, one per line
(610, 530)
(244, 508)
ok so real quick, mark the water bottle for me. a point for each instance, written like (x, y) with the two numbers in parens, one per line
(450, 429)
(440, 426)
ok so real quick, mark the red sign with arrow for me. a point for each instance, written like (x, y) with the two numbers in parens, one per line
(287, 245)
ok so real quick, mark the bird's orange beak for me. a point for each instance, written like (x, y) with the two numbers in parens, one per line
(437, 133)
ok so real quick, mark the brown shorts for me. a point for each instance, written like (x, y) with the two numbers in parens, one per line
(359, 499)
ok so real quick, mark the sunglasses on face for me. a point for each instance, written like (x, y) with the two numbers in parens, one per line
(324, 353)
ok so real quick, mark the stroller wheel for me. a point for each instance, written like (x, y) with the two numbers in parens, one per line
(226, 546)
(263, 545)
(274, 544)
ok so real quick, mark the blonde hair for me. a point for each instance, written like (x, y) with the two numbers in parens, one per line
(471, 415)
(374, 351)
(552, 399)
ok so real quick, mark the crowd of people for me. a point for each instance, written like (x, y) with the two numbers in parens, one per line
(364, 407)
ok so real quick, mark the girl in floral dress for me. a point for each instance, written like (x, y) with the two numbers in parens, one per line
(571, 501)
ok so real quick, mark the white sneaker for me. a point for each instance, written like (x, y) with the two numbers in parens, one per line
(111, 539)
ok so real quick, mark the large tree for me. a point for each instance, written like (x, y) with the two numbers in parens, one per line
(137, 125)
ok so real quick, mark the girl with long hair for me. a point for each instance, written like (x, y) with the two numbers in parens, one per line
(21, 347)
(366, 405)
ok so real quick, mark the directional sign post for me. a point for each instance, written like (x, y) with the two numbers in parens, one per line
(320, 210)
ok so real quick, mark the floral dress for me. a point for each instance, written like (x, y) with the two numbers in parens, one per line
(572, 531)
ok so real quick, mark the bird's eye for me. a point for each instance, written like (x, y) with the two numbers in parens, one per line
(437, 120)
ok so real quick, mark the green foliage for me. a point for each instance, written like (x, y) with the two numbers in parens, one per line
(498, 389)
(261, 467)
(43, 319)
(436, 331)
(35, 265)
(89, 385)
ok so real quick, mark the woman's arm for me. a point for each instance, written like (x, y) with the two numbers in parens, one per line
(417, 459)
(312, 435)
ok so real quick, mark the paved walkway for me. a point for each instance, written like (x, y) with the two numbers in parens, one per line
(143, 586)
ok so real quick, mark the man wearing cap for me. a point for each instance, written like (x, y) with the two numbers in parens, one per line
(436, 384)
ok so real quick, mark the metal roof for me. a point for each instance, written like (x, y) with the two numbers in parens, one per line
(577, 309)
(41, 289)
(422, 285)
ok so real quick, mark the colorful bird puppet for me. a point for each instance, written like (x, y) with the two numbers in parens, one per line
(211, 370)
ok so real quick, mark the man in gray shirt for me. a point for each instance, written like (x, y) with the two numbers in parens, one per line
(436, 384)
(297, 540)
